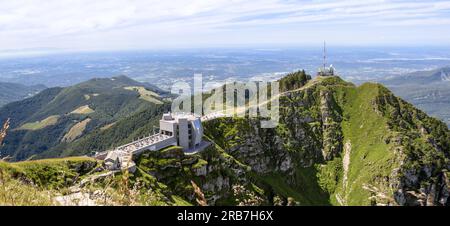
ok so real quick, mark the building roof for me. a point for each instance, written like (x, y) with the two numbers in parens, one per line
(174, 117)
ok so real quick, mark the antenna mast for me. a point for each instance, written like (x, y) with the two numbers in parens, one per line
(324, 55)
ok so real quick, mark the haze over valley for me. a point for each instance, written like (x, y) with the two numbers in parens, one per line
(162, 68)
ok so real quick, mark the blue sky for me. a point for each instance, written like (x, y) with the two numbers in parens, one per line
(160, 24)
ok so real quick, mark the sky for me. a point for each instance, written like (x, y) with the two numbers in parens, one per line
(30, 25)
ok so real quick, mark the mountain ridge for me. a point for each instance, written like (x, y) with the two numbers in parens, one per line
(427, 90)
(39, 123)
(420, 77)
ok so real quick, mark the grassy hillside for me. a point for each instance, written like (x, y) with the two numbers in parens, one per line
(121, 132)
(433, 98)
(41, 126)
(38, 182)
(342, 145)
(59, 182)
(365, 157)
(427, 90)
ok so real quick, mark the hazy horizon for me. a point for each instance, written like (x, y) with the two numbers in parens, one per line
(9, 54)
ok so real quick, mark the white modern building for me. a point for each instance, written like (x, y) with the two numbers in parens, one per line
(187, 128)
(184, 130)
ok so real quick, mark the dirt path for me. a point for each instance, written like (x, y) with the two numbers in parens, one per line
(346, 163)
(341, 197)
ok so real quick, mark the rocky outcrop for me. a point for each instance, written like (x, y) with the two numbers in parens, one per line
(435, 193)
(331, 128)
(213, 171)
(423, 177)
(392, 168)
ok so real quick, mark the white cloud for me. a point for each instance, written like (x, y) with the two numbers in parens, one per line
(109, 24)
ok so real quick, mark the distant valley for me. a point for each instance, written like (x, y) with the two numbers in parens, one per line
(162, 68)
(10, 92)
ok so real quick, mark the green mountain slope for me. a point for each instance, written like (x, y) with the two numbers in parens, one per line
(427, 90)
(121, 132)
(43, 124)
(358, 145)
(336, 144)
